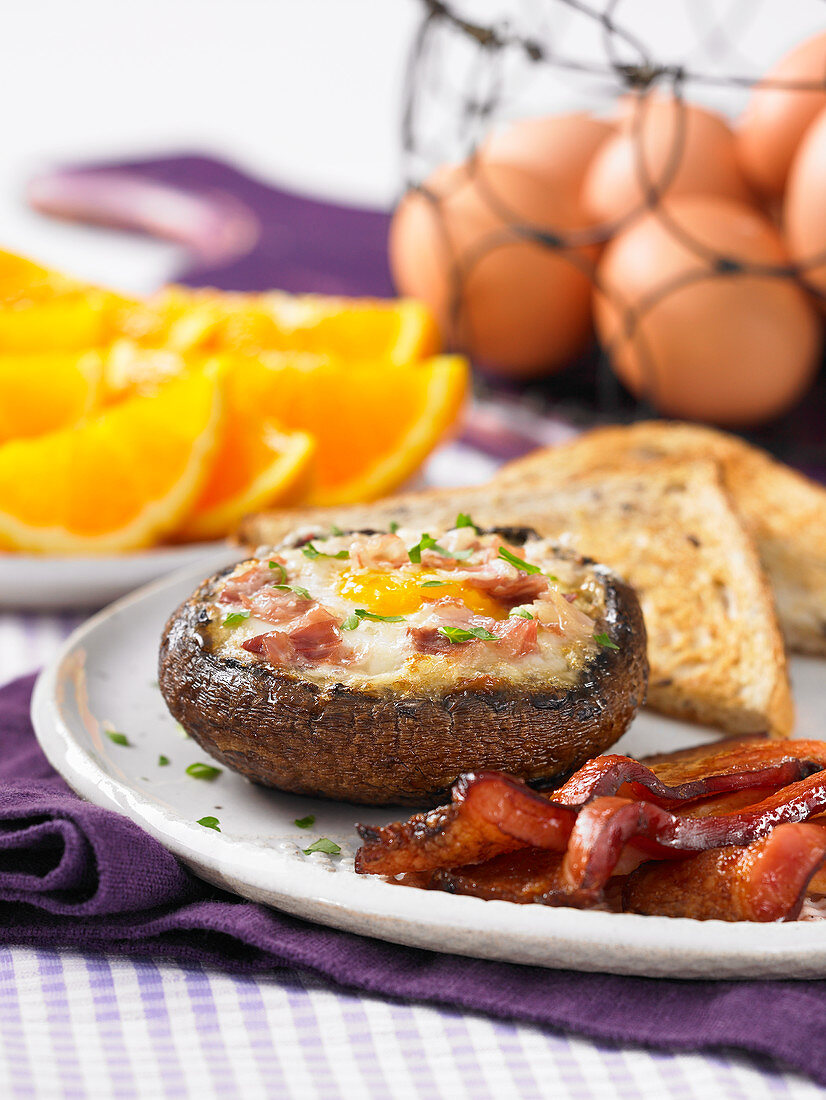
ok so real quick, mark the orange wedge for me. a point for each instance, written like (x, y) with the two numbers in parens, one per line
(120, 481)
(43, 392)
(42, 310)
(397, 331)
(256, 468)
(24, 282)
(373, 425)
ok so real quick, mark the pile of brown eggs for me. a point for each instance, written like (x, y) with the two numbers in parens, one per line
(696, 250)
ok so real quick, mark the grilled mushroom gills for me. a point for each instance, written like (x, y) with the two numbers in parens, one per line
(395, 708)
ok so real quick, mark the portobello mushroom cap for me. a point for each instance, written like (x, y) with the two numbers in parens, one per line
(281, 730)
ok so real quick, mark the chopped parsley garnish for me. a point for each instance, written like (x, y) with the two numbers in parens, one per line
(603, 640)
(311, 551)
(460, 634)
(209, 823)
(352, 621)
(427, 542)
(464, 520)
(524, 566)
(432, 584)
(118, 738)
(235, 618)
(323, 844)
(521, 613)
(393, 527)
(203, 771)
(163, 761)
(299, 591)
(305, 822)
(281, 570)
(335, 529)
(521, 564)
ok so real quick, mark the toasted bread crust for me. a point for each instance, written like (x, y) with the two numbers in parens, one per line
(784, 511)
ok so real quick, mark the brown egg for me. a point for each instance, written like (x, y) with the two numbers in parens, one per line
(519, 308)
(775, 119)
(709, 343)
(663, 146)
(804, 209)
(556, 148)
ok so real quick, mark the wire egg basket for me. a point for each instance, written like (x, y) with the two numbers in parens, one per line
(476, 65)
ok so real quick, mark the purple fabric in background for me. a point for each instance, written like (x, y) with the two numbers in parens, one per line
(242, 234)
(74, 875)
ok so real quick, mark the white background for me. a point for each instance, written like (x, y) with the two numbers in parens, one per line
(304, 92)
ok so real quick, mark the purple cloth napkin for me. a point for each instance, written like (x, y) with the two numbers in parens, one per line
(73, 875)
(241, 233)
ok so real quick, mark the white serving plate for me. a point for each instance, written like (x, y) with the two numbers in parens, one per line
(105, 677)
(31, 582)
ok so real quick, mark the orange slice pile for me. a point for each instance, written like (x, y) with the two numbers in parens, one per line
(125, 422)
(398, 331)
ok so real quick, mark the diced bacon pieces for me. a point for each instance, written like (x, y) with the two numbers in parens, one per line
(316, 635)
(275, 605)
(276, 647)
(378, 551)
(516, 637)
(504, 582)
(239, 588)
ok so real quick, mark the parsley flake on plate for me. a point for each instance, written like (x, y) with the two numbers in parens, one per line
(117, 737)
(472, 633)
(305, 822)
(521, 613)
(432, 584)
(603, 640)
(323, 844)
(209, 822)
(163, 761)
(203, 771)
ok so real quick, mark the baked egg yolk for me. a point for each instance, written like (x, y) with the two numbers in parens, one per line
(402, 594)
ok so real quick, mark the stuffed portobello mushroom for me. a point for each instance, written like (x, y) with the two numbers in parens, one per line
(376, 667)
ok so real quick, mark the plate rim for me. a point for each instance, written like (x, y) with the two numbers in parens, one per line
(574, 939)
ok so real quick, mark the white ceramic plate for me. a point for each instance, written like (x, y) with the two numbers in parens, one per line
(105, 678)
(37, 583)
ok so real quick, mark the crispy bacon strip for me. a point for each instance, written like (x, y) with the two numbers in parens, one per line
(493, 814)
(468, 831)
(765, 881)
(697, 773)
(522, 877)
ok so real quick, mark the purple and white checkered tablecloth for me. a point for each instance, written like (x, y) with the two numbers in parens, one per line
(75, 1026)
